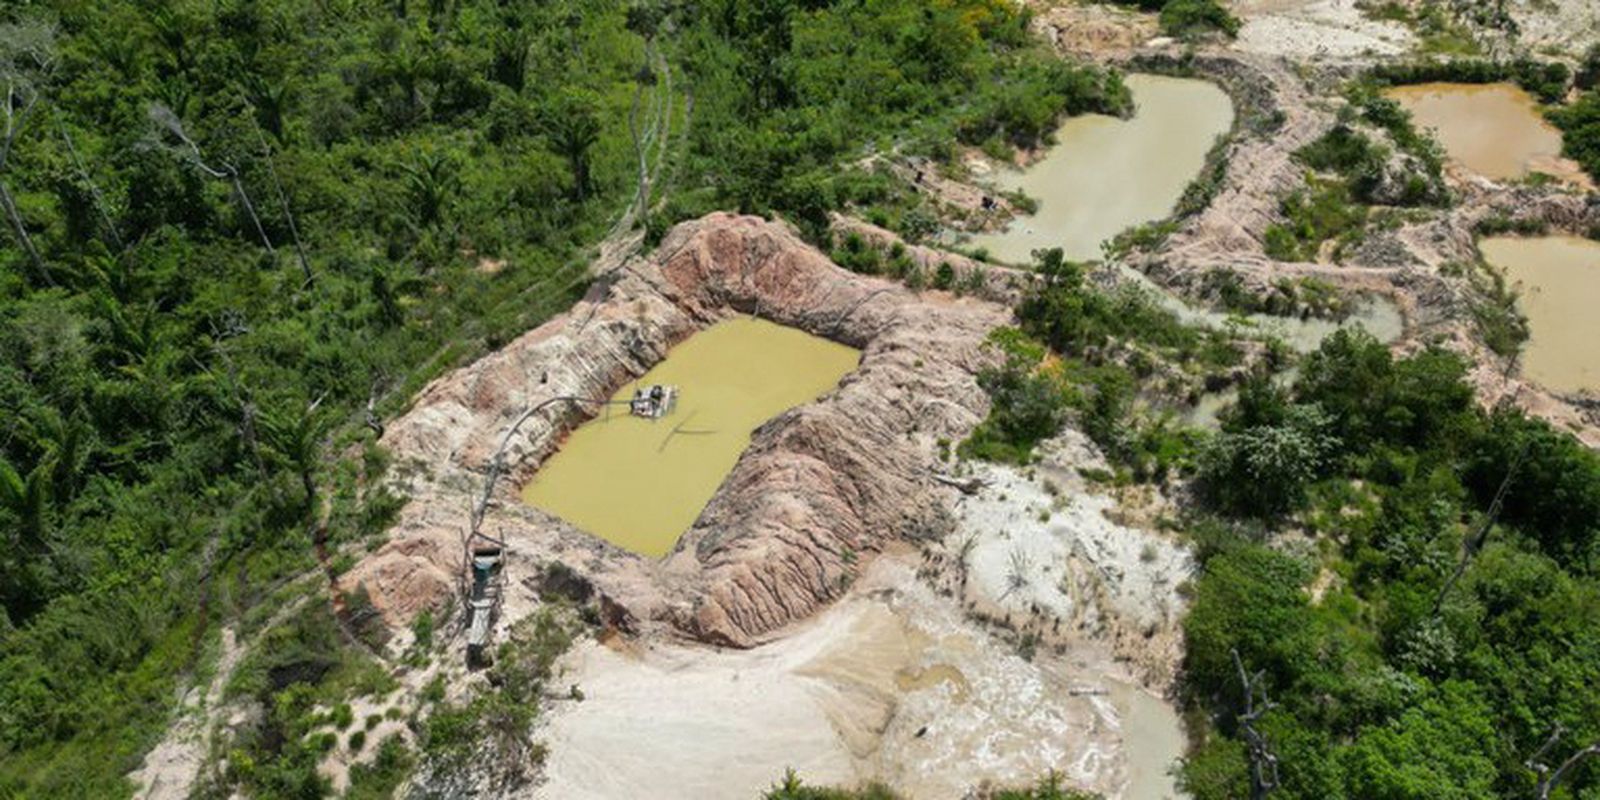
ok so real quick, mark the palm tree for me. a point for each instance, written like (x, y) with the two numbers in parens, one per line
(573, 125)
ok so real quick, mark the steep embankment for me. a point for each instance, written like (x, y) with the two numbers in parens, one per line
(821, 488)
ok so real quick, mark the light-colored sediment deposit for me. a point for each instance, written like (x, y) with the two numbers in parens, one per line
(1317, 29)
(1018, 643)
(821, 488)
(894, 683)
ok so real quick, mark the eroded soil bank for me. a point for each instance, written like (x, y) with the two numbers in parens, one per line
(821, 488)
(640, 482)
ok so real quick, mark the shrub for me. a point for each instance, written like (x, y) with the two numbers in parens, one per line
(1580, 128)
(1188, 18)
(1025, 408)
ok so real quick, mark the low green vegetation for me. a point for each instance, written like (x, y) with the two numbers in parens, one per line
(1102, 346)
(301, 677)
(1545, 80)
(1351, 172)
(792, 788)
(1387, 676)
(1322, 211)
(1286, 297)
(1580, 131)
(490, 735)
(237, 236)
(1187, 19)
(1493, 302)
(1029, 406)
(379, 779)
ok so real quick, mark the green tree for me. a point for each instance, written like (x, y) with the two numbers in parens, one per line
(573, 125)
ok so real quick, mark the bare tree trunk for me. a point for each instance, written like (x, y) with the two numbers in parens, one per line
(94, 189)
(1263, 762)
(21, 230)
(1481, 536)
(1549, 779)
(249, 208)
(288, 214)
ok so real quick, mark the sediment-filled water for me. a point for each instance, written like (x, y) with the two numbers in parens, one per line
(1493, 129)
(1104, 175)
(1559, 281)
(641, 483)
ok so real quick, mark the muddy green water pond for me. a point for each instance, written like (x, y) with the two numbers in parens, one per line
(1104, 175)
(1493, 129)
(640, 483)
(1559, 279)
(1376, 314)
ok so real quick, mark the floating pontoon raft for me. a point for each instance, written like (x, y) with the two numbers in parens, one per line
(654, 401)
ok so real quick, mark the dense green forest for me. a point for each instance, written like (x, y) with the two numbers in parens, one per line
(1402, 633)
(240, 234)
(1425, 640)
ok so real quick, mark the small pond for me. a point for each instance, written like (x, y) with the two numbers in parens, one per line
(1493, 129)
(1105, 175)
(640, 483)
(1376, 314)
(1559, 279)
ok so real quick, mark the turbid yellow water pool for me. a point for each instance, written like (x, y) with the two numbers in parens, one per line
(1493, 129)
(1559, 280)
(641, 483)
(1104, 175)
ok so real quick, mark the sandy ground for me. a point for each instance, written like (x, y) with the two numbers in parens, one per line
(894, 683)
(169, 771)
(1316, 29)
(1036, 547)
(1569, 26)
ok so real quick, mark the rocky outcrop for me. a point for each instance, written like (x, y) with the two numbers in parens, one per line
(820, 490)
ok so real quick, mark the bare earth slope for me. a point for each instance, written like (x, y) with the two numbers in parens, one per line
(821, 487)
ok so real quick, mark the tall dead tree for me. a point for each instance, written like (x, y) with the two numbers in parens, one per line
(27, 58)
(185, 148)
(99, 199)
(1480, 537)
(644, 19)
(1263, 762)
(283, 206)
(1549, 778)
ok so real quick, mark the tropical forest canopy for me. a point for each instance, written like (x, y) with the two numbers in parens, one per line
(239, 234)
